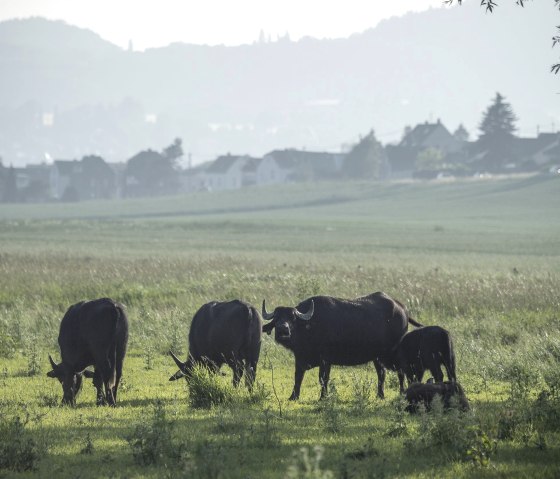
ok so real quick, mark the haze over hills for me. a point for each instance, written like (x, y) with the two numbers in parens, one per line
(67, 92)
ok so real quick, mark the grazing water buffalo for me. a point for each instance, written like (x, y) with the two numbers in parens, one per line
(224, 333)
(429, 348)
(322, 331)
(91, 333)
(423, 394)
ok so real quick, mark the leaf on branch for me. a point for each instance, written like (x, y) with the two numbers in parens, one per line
(555, 69)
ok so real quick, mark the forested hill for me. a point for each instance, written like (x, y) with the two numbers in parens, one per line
(445, 63)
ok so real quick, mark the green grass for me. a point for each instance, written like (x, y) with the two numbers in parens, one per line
(481, 259)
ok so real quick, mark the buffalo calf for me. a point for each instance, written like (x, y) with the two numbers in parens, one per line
(426, 348)
(92, 333)
(423, 394)
(223, 332)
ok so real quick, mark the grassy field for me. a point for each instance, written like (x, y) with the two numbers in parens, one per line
(480, 258)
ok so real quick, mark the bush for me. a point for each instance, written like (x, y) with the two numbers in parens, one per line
(7, 345)
(361, 394)
(308, 466)
(451, 431)
(18, 450)
(152, 441)
(520, 378)
(207, 390)
(398, 418)
(330, 409)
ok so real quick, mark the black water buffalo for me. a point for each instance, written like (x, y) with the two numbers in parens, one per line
(427, 348)
(322, 331)
(92, 333)
(451, 393)
(221, 333)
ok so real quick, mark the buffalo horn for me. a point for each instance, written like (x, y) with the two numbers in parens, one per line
(53, 364)
(306, 316)
(178, 362)
(265, 315)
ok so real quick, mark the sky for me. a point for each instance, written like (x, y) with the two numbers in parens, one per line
(151, 23)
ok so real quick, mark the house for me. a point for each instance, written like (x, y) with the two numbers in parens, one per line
(227, 172)
(33, 182)
(61, 176)
(534, 153)
(290, 165)
(88, 178)
(250, 172)
(431, 135)
(194, 179)
(402, 157)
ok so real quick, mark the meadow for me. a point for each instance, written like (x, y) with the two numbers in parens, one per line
(480, 258)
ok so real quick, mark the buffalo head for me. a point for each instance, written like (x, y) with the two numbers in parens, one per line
(185, 369)
(71, 381)
(285, 321)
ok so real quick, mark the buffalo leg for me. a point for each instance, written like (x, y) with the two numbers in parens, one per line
(250, 374)
(118, 369)
(98, 383)
(324, 374)
(401, 381)
(300, 372)
(380, 379)
(107, 377)
(437, 374)
(237, 367)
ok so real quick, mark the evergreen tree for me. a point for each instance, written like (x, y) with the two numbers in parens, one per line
(366, 158)
(461, 133)
(498, 121)
(497, 130)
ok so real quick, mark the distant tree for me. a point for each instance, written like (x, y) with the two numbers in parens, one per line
(150, 173)
(430, 159)
(461, 133)
(497, 130)
(97, 179)
(174, 151)
(406, 131)
(10, 194)
(491, 4)
(498, 121)
(366, 159)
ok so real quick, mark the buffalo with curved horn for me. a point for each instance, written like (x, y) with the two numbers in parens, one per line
(322, 331)
(223, 333)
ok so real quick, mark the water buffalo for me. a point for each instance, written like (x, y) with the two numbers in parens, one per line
(91, 333)
(427, 348)
(322, 331)
(228, 332)
(423, 394)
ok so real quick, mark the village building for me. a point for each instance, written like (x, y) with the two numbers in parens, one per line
(402, 157)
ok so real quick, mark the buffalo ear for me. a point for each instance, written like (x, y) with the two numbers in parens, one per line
(88, 373)
(267, 328)
(51, 374)
(178, 375)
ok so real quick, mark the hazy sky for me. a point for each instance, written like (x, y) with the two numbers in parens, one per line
(157, 23)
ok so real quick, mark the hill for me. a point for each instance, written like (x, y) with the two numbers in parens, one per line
(444, 63)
